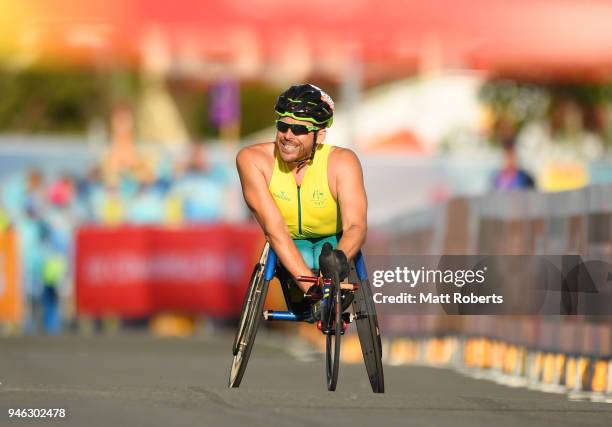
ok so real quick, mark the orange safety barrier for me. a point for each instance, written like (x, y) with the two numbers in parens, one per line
(11, 301)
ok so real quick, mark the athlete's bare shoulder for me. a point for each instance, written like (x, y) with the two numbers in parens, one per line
(344, 157)
(343, 164)
(259, 155)
(263, 149)
(256, 157)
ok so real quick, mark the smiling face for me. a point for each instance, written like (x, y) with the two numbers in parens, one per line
(295, 148)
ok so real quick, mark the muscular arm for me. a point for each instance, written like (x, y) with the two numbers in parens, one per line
(260, 202)
(352, 201)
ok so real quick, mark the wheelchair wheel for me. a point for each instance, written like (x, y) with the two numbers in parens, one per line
(333, 325)
(257, 274)
(369, 335)
(250, 317)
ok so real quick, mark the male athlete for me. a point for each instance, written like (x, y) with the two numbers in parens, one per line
(304, 193)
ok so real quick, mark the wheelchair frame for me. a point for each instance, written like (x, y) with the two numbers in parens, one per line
(364, 315)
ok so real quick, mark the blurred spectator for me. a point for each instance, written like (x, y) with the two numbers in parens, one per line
(146, 207)
(35, 197)
(62, 214)
(46, 209)
(510, 176)
(110, 209)
(122, 156)
(30, 229)
(54, 275)
(13, 195)
(200, 187)
(88, 191)
(61, 191)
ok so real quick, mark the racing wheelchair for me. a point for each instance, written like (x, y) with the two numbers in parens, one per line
(332, 325)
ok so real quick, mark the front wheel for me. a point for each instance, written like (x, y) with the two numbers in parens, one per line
(333, 323)
(249, 322)
(256, 276)
(245, 345)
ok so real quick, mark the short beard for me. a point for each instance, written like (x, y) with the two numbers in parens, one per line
(300, 162)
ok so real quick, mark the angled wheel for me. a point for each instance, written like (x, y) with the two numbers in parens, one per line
(369, 334)
(249, 322)
(332, 322)
(256, 275)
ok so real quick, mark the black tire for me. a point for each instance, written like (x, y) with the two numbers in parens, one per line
(369, 334)
(252, 309)
(257, 274)
(245, 345)
(248, 297)
(333, 337)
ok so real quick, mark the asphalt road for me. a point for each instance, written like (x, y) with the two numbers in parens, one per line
(141, 380)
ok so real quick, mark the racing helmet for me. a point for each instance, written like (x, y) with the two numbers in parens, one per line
(308, 103)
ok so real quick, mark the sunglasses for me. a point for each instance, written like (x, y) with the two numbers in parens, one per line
(295, 129)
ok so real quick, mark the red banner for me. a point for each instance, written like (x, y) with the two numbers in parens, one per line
(138, 271)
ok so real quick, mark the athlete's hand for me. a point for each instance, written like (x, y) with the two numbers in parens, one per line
(333, 260)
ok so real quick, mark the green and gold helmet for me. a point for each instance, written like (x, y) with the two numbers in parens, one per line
(308, 103)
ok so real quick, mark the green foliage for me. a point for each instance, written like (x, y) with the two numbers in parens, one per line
(529, 101)
(257, 108)
(200, 121)
(66, 101)
(587, 94)
(58, 101)
(518, 102)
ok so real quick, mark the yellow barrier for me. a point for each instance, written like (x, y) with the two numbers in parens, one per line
(600, 376)
(548, 371)
(581, 377)
(351, 350)
(583, 372)
(400, 352)
(172, 325)
(571, 373)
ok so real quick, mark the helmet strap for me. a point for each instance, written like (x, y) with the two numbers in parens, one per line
(310, 158)
(314, 145)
